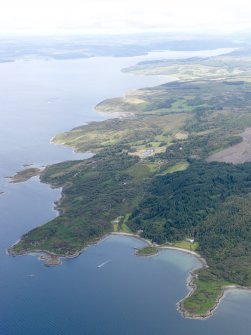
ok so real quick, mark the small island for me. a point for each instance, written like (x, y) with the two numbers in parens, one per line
(169, 171)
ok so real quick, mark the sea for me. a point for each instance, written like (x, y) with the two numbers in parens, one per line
(107, 290)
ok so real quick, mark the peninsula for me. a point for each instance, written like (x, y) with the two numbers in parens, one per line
(25, 174)
(160, 172)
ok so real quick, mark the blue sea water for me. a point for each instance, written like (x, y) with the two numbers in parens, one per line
(129, 294)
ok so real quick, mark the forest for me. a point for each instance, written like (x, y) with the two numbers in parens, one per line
(150, 174)
(206, 202)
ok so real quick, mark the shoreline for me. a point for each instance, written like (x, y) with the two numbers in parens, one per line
(192, 288)
(190, 284)
(25, 174)
(115, 115)
(46, 256)
(51, 259)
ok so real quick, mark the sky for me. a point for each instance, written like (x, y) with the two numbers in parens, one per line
(126, 16)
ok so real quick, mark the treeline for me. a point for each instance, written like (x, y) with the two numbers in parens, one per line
(96, 191)
(209, 202)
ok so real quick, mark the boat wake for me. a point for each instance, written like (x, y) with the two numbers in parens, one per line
(103, 264)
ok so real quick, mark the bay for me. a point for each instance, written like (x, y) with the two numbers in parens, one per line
(129, 294)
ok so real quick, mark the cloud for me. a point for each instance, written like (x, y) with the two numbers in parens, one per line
(126, 15)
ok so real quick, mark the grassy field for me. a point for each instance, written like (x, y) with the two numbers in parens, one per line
(150, 176)
(177, 167)
(139, 133)
(186, 245)
(205, 297)
(221, 67)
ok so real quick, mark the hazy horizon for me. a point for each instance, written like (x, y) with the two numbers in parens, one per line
(124, 17)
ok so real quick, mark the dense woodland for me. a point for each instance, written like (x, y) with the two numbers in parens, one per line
(96, 191)
(165, 206)
(208, 202)
(169, 194)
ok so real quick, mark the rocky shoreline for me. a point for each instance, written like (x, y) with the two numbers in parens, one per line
(51, 259)
(26, 174)
(192, 288)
